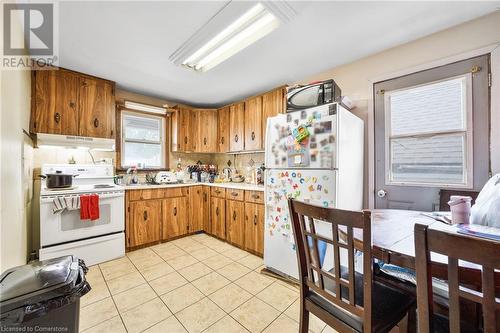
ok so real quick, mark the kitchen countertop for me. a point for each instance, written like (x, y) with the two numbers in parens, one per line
(237, 186)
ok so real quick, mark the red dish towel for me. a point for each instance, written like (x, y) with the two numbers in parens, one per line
(94, 207)
(89, 207)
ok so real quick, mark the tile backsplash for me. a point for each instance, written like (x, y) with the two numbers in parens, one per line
(59, 155)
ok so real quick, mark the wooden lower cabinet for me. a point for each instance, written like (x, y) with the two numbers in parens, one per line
(175, 217)
(155, 215)
(199, 209)
(206, 210)
(144, 222)
(218, 217)
(235, 228)
(254, 228)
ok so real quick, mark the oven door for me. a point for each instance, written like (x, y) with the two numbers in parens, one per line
(67, 226)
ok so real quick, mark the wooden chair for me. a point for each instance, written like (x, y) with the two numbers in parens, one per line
(346, 300)
(457, 247)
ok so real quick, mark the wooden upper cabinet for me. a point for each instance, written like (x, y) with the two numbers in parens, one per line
(254, 228)
(175, 217)
(70, 103)
(181, 138)
(194, 130)
(223, 130)
(236, 127)
(97, 108)
(55, 102)
(235, 228)
(273, 103)
(253, 124)
(144, 222)
(207, 129)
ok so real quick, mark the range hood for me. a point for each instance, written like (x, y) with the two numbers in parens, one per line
(71, 141)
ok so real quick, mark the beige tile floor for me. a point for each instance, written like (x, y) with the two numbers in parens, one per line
(192, 284)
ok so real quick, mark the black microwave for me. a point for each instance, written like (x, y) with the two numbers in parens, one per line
(311, 95)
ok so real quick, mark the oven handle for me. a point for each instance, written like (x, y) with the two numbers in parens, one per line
(101, 196)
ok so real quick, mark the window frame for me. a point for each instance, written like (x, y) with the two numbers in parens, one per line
(122, 111)
(467, 132)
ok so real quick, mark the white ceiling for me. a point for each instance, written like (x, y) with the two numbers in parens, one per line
(130, 42)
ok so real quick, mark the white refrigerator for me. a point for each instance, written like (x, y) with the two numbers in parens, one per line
(324, 168)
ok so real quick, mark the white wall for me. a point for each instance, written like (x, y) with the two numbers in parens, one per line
(355, 78)
(16, 168)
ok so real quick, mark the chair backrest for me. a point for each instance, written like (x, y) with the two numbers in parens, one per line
(311, 273)
(482, 252)
(444, 197)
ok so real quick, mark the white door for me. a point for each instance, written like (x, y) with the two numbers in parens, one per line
(431, 132)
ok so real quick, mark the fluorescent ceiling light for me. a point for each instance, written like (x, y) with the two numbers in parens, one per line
(145, 107)
(254, 24)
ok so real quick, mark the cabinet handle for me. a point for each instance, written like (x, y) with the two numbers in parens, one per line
(217, 191)
(175, 211)
(71, 104)
(185, 140)
(234, 194)
(222, 140)
(205, 197)
(234, 215)
(96, 122)
(255, 220)
(217, 211)
(145, 215)
(255, 196)
(205, 141)
(253, 136)
(57, 117)
(236, 138)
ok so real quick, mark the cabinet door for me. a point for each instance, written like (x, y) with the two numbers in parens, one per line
(254, 228)
(273, 103)
(175, 217)
(181, 129)
(194, 129)
(218, 217)
(253, 124)
(145, 222)
(96, 108)
(55, 102)
(223, 130)
(236, 127)
(235, 213)
(196, 211)
(206, 209)
(208, 130)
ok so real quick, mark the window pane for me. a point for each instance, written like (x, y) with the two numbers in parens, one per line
(438, 159)
(429, 108)
(149, 155)
(142, 128)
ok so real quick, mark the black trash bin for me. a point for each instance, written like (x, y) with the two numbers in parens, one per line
(43, 296)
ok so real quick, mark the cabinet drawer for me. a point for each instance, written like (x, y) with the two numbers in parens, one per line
(254, 196)
(218, 192)
(233, 194)
(174, 192)
(145, 194)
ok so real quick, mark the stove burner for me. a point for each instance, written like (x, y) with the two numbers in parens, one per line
(56, 189)
(104, 186)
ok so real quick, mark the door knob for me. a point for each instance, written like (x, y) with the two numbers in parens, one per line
(381, 193)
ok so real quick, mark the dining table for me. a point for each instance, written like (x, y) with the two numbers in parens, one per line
(393, 243)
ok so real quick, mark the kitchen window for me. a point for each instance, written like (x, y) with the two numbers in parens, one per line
(429, 134)
(143, 141)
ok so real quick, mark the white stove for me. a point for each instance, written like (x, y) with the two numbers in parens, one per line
(65, 233)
